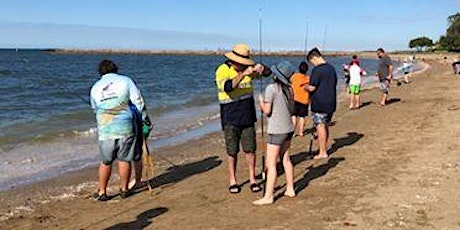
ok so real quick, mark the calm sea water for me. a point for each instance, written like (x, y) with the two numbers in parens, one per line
(47, 126)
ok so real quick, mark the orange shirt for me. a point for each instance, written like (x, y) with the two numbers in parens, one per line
(299, 81)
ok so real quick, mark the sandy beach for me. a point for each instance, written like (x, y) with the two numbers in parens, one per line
(393, 167)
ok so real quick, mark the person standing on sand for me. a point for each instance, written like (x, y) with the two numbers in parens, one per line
(355, 84)
(237, 110)
(111, 97)
(278, 106)
(323, 93)
(300, 81)
(385, 74)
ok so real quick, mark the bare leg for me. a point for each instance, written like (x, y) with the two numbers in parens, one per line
(251, 160)
(104, 176)
(322, 140)
(232, 160)
(288, 170)
(272, 158)
(406, 78)
(384, 99)
(358, 101)
(294, 121)
(124, 169)
(137, 182)
(301, 126)
(352, 96)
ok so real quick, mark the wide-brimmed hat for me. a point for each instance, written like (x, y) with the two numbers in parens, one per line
(240, 54)
(283, 71)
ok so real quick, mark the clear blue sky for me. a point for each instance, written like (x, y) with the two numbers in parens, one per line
(213, 24)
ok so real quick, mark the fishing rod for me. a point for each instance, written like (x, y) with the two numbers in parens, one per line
(306, 39)
(263, 173)
(60, 84)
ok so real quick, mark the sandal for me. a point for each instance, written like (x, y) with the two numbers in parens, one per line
(234, 189)
(100, 197)
(125, 194)
(255, 188)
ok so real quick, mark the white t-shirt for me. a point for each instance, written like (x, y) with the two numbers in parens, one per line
(355, 75)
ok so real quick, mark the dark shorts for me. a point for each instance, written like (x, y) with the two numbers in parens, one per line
(122, 149)
(234, 135)
(321, 118)
(279, 139)
(300, 110)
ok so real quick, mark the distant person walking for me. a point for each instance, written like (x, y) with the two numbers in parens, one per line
(278, 106)
(111, 97)
(456, 65)
(322, 87)
(300, 82)
(385, 74)
(237, 110)
(407, 69)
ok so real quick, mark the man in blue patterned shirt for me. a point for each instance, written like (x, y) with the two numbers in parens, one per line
(111, 98)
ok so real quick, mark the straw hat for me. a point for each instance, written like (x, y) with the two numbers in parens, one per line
(283, 71)
(240, 54)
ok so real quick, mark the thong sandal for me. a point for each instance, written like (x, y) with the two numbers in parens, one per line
(234, 189)
(255, 188)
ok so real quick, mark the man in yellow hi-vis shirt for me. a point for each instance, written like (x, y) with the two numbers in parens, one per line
(237, 110)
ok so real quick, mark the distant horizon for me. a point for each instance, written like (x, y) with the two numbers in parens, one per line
(199, 25)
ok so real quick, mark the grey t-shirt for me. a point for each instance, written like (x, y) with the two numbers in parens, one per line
(384, 63)
(279, 121)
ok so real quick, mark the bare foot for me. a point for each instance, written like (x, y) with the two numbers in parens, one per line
(133, 185)
(263, 201)
(320, 156)
(290, 194)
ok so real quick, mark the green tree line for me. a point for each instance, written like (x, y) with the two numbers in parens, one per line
(450, 41)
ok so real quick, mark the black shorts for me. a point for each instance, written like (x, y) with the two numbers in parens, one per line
(300, 110)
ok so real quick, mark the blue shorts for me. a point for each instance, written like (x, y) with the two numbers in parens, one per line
(122, 149)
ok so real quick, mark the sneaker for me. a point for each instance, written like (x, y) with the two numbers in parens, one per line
(100, 197)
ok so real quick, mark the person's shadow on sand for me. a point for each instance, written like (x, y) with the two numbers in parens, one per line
(142, 220)
(350, 139)
(176, 173)
(316, 172)
(392, 100)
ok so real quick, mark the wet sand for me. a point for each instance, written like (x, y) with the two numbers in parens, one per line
(393, 167)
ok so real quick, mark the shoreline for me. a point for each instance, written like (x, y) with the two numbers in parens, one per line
(169, 153)
(395, 172)
(211, 128)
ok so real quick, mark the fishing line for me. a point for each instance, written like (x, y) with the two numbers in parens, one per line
(61, 85)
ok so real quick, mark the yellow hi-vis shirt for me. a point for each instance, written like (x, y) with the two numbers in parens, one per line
(244, 89)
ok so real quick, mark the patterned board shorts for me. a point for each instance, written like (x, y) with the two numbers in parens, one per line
(384, 86)
(234, 135)
(321, 118)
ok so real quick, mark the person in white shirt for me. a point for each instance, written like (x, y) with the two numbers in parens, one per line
(355, 84)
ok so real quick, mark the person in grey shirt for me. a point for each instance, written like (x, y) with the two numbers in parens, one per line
(385, 74)
(278, 106)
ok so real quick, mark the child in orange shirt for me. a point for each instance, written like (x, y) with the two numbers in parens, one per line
(301, 96)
